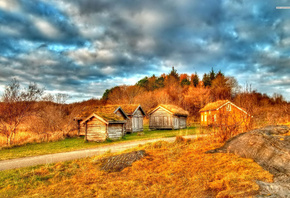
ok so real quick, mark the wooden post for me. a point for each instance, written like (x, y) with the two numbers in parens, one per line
(79, 127)
(86, 131)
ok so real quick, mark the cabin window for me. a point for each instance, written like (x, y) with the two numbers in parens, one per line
(202, 118)
(205, 118)
(229, 108)
(209, 112)
(214, 117)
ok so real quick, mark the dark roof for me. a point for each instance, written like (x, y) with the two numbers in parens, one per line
(131, 108)
(173, 109)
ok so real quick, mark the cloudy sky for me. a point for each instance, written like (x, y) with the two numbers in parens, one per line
(82, 47)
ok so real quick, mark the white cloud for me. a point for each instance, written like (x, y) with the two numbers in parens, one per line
(6, 29)
(9, 5)
(46, 28)
(108, 70)
(147, 20)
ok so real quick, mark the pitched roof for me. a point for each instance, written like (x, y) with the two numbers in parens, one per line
(173, 109)
(106, 112)
(214, 105)
(131, 108)
(218, 104)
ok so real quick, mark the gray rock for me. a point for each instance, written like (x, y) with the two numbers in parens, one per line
(119, 162)
(269, 149)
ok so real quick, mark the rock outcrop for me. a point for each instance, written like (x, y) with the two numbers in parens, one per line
(119, 162)
(270, 148)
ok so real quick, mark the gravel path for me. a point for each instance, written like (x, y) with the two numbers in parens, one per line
(58, 157)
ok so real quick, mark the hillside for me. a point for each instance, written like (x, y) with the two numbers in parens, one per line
(192, 93)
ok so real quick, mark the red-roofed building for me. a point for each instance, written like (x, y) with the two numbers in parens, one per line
(224, 112)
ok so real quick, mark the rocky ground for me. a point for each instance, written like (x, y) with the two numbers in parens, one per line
(270, 148)
(119, 162)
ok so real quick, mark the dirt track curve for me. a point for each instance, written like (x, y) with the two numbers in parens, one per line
(58, 157)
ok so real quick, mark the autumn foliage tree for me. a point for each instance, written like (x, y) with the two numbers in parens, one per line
(191, 93)
(18, 104)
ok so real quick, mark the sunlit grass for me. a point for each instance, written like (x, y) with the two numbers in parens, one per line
(77, 143)
(169, 170)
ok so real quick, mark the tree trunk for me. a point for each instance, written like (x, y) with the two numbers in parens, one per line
(9, 139)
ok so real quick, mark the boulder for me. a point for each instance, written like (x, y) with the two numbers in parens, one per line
(119, 162)
(270, 148)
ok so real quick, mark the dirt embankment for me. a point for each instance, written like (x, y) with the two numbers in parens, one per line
(270, 148)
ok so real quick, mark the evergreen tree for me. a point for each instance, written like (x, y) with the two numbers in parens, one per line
(174, 74)
(206, 80)
(172, 78)
(143, 82)
(159, 82)
(106, 94)
(212, 75)
(184, 82)
(195, 80)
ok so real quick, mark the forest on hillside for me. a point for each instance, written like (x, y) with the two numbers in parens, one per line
(192, 93)
(30, 115)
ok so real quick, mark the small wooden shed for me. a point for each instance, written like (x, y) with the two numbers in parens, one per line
(224, 112)
(102, 122)
(136, 115)
(167, 117)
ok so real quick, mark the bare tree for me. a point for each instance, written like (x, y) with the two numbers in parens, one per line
(61, 98)
(17, 105)
(55, 116)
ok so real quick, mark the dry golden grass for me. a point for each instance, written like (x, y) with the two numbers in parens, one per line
(24, 137)
(180, 169)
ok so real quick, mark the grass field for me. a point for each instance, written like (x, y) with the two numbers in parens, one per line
(180, 169)
(71, 144)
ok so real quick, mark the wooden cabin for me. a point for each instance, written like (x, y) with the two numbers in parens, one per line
(102, 122)
(223, 112)
(136, 115)
(167, 117)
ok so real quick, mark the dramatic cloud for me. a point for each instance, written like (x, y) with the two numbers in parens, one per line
(84, 47)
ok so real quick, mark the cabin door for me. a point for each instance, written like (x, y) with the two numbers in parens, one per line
(176, 122)
(138, 123)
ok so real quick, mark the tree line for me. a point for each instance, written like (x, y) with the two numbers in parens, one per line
(192, 93)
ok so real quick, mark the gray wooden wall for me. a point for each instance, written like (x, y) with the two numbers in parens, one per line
(161, 119)
(115, 130)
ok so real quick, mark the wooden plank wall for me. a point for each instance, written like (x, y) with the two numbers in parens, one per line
(161, 119)
(129, 124)
(182, 122)
(96, 130)
(176, 122)
(137, 121)
(115, 130)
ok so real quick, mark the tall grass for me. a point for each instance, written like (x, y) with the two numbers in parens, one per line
(25, 137)
(180, 169)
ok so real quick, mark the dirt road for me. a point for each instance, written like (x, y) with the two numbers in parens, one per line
(58, 157)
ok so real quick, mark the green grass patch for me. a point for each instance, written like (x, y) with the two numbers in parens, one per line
(77, 143)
